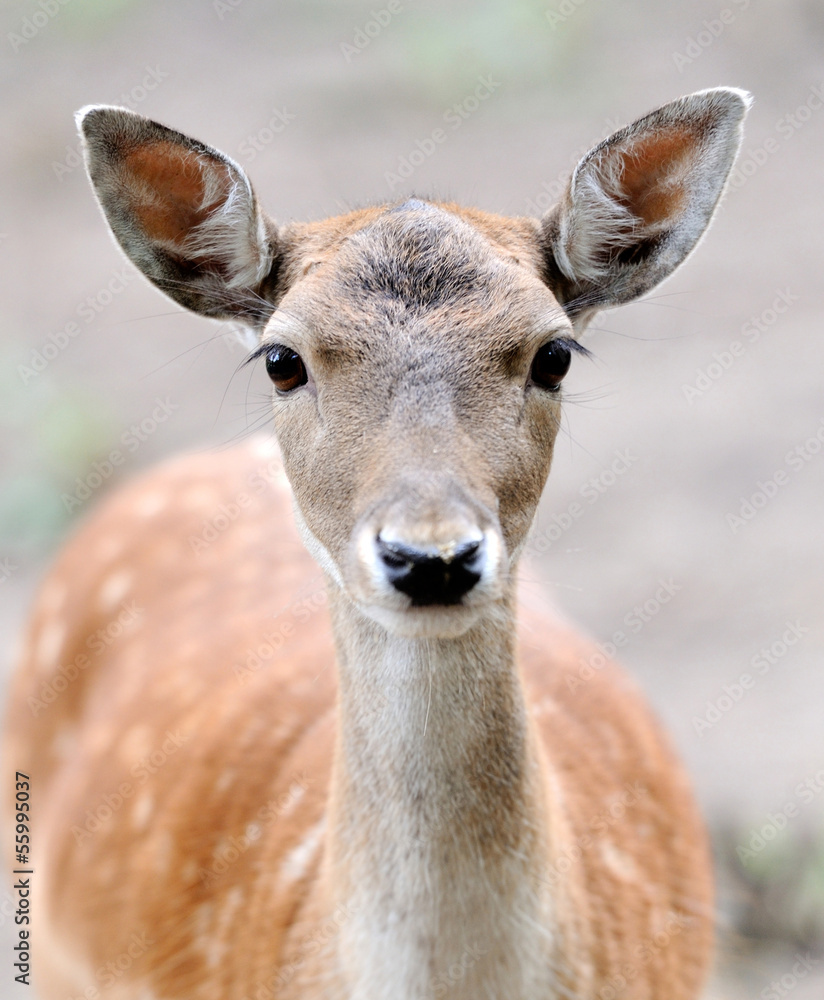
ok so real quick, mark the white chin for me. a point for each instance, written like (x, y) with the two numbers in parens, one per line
(424, 623)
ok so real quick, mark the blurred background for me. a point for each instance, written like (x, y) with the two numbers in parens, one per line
(685, 505)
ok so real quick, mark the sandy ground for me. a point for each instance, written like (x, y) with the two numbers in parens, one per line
(666, 434)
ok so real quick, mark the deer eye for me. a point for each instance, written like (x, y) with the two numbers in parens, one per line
(285, 368)
(550, 365)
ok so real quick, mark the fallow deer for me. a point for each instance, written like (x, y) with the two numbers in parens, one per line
(232, 802)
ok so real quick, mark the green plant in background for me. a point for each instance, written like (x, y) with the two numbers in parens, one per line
(444, 53)
(783, 885)
(67, 433)
(78, 19)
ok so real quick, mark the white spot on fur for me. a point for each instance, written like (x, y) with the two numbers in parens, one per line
(218, 942)
(106, 871)
(297, 861)
(114, 589)
(202, 497)
(149, 504)
(296, 793)
(142, 811)
(64, 743)
(225, 779)
(49, 644)
(619, 862)
(188, 872)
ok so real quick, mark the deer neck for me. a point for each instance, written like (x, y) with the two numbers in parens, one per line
(437, 832)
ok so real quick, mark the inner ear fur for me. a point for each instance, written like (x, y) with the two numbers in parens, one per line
(638, 203)
(183, 212)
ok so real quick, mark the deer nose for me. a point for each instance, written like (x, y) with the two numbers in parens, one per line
(429, 576)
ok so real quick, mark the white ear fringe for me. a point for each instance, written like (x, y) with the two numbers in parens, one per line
(233, 234)
(594, 222)
(594, 218)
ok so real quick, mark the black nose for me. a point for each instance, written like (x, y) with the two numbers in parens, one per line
(426, 576)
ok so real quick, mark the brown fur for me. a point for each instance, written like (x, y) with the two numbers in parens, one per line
(250, 738)
(219, 811)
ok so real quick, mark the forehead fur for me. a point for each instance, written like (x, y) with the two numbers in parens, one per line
(420, 255)
(424, 265)
(426, 241)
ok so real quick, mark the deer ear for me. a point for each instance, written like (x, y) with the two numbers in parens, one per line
(184, 213)
(638, 203)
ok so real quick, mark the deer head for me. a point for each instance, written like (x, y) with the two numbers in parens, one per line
(417, 350)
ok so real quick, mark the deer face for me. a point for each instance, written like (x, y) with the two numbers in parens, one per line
(417, 370)
(417, 350)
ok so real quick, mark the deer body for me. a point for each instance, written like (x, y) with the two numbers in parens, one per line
(442, 806)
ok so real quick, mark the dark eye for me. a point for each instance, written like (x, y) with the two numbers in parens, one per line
(285, 368)
(550, 365)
